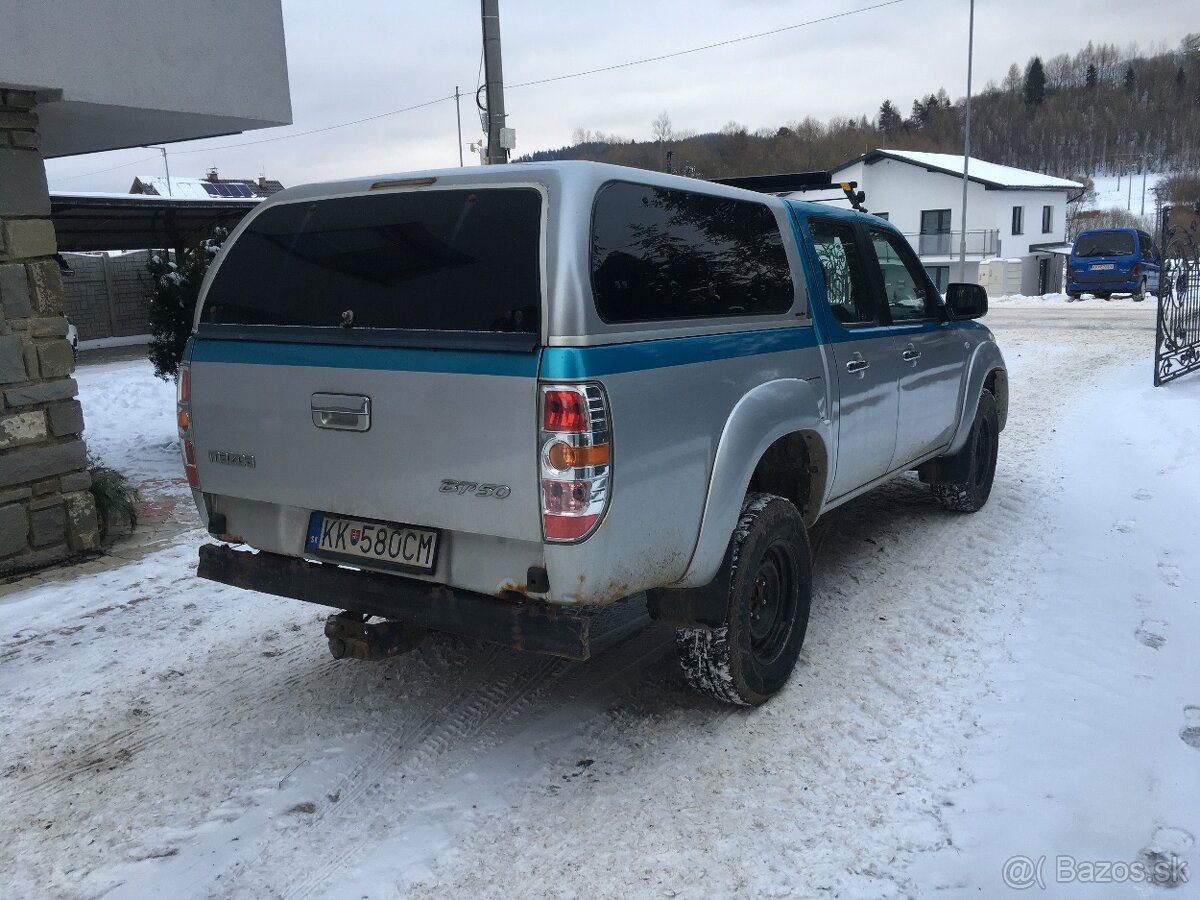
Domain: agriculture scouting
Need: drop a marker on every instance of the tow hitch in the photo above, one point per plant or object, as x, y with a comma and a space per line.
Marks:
350, 634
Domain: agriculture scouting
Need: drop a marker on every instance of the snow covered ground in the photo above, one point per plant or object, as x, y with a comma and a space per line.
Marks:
1022, 683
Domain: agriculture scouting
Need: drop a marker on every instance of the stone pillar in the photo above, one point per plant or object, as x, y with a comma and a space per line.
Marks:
46, 511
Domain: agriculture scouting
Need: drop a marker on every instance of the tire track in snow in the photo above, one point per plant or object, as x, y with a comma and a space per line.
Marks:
514, 715
489, 701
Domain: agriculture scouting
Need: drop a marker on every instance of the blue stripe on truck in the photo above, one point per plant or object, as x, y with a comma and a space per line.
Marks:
341, 356
569, 363
558, 363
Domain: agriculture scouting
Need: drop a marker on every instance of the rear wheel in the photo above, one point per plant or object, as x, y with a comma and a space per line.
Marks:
1140, 294
750, 657
982, 449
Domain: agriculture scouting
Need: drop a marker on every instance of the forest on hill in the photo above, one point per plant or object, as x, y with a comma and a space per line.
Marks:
1101, 111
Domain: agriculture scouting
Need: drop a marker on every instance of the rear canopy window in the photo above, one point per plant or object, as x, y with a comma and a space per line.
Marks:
453, 260
660, 254
1105, 243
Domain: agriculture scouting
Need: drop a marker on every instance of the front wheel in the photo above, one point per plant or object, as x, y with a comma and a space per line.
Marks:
750, 657
982, 449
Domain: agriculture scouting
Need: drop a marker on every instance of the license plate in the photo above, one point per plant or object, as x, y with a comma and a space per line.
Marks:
384, 544
1103, 267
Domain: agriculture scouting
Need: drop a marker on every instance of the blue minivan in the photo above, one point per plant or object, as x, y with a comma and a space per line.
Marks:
1113, 261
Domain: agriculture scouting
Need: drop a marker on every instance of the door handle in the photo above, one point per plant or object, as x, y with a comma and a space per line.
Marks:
910, 355
341, 412
857, 365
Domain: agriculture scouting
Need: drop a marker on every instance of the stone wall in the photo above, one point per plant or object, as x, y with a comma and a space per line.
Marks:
108, 296
46, 511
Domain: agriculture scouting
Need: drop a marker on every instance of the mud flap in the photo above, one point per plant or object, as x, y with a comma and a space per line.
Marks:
702, 607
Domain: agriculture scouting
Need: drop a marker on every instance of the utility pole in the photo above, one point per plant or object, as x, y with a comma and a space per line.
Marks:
497, 135
1143, 185
458, 115
962, 242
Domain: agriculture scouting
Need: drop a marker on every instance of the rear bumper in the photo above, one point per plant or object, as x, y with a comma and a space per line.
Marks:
534, 626
1114, 285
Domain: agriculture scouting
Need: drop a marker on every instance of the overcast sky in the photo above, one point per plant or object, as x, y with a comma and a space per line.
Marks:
357, 58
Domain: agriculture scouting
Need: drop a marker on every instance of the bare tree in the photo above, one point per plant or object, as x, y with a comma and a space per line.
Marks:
661, 127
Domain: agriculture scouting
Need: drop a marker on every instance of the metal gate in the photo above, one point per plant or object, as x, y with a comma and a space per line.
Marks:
1177, 342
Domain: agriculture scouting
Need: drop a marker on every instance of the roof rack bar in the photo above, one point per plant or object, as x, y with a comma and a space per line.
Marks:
778, 184
798, 182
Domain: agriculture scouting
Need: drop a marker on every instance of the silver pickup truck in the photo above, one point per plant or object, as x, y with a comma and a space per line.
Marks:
492, 401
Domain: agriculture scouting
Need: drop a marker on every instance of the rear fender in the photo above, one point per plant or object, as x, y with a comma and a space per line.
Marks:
760, 418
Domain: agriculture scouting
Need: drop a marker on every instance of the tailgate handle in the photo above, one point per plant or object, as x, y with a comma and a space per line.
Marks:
341, 412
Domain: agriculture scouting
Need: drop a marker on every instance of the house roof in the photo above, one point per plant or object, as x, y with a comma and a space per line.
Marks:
992, 175
206, 188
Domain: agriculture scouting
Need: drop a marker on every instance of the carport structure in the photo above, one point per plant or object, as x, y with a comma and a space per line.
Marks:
86, 222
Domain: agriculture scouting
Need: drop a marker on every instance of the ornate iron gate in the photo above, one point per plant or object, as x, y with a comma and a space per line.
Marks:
1177, 342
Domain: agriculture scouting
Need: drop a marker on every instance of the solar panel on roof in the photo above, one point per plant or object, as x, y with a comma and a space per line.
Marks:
211, 189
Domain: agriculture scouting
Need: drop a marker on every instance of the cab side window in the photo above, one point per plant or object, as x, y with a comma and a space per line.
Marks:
850, 296
907, 291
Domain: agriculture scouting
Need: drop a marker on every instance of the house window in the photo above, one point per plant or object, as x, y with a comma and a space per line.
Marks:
1018, 223
935, 232
940, 276
1047, 219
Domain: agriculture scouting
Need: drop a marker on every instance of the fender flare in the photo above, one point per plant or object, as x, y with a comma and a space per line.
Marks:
761, 417
985, 359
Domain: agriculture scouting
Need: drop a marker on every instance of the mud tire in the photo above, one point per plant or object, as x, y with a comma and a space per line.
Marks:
983, 448
751, 656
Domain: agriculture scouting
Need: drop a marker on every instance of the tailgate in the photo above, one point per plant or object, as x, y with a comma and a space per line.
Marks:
432, 417
374, 354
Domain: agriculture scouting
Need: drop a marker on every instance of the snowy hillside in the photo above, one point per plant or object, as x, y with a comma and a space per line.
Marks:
1126, 192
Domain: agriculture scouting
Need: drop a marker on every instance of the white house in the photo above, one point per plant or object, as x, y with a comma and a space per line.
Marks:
1011, 213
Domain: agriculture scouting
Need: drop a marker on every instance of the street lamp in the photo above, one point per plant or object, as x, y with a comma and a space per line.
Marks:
163, 151
962, 243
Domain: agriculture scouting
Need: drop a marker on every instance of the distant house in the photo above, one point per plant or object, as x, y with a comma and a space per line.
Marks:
1011, 213
211, 186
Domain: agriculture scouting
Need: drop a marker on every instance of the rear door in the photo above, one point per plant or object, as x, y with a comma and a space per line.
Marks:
930, 352
1149, 262
376, 356
864, 356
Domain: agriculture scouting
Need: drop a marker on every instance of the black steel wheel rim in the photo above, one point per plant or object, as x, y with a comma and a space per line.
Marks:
773, 603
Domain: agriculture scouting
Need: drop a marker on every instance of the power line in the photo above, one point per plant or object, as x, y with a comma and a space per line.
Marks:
677, 53
625, 65
136, 162
284, 137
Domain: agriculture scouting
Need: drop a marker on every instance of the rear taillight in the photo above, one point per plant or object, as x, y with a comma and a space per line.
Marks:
183, 418
564, 410
1134, 270
1070, 274
575, 460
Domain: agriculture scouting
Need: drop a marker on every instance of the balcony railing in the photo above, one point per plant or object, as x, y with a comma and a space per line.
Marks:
979, 243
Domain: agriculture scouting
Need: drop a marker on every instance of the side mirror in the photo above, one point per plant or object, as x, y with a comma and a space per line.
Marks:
966, 301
